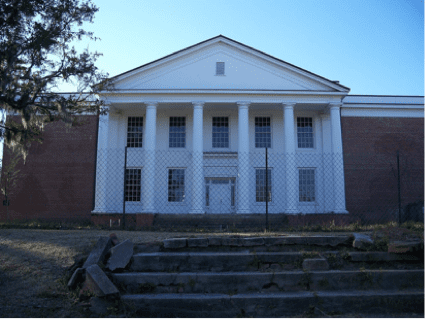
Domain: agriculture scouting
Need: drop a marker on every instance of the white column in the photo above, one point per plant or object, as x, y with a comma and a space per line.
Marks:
291, 165
198, 198
243, 158
102, 164
148, 174
338, 163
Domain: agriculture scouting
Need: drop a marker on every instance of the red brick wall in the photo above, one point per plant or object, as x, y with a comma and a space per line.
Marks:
370, 146
57, 180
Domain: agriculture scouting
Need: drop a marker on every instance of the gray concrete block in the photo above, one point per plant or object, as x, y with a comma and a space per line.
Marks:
232, 241
253, 241
99, 283
175, 243
197, 242
99, 251
315, 264
215, 241
362, 241
401, 246
120, 255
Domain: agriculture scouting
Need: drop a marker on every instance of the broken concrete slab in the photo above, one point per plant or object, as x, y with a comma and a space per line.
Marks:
99, 284
400, 247
232, 241
99, 251
120, 255
315, 264
197, 242
362, 241
153, 247
76, 277
175, 243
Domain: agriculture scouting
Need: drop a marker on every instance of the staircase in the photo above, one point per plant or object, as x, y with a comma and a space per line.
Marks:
290, 276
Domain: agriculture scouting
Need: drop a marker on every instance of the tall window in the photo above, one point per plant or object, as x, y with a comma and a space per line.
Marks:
305, 132
135, 131
307, 185
176, 185
219, 68
220, 132
177, 135
133, 178
260, 185
263, 133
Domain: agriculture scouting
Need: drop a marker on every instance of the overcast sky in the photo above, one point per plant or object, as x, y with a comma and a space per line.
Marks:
373, 47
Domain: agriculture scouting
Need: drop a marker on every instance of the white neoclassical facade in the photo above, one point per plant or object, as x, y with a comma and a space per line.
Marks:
196, 124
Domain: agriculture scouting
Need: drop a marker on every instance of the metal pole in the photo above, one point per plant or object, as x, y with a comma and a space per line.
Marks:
399, 189
125, 182
267, 194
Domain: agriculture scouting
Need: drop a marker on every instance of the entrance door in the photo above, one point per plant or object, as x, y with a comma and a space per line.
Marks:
220, 196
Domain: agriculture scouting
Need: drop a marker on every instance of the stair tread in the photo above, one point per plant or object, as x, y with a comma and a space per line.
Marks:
290, 294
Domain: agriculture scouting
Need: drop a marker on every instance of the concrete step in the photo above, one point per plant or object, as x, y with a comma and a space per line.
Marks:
210, 261
281, 304
246, 260
245, 282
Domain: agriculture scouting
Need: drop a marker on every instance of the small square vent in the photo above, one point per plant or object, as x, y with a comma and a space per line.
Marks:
219, 68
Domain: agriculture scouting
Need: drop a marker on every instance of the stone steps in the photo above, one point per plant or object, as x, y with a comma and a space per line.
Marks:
269, 277
281, 304
248, 282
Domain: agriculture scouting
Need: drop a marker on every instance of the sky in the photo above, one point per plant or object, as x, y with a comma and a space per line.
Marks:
373, 47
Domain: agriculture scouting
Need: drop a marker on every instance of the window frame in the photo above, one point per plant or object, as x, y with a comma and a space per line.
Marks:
126, 185
212, 133
183, 201
271, 202
271, 131
185, 132
142, 132
314, 186
314, 137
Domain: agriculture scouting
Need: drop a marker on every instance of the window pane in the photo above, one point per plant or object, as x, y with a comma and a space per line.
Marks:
263, 137
260, 185
305, 132
135, 131
306, 185
220, 133
177, 134
133, 184
176, 185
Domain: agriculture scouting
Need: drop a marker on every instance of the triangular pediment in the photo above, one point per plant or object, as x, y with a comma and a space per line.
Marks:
245, 69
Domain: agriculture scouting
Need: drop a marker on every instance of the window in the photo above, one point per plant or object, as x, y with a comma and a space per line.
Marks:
305, 132
260, 184
176, 185
307, 185
177, 135
133, 178
135, 131
220, 132
219, 68
263, 134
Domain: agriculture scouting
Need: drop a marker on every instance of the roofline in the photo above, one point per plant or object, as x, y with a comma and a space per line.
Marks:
247, 46
385, 95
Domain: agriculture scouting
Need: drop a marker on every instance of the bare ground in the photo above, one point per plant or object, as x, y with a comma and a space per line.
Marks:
34, 264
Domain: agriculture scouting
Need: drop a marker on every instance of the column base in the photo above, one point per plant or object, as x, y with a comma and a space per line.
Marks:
243, 211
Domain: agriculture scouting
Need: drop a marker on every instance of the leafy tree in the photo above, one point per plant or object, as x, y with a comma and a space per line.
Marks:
37, 55
10, 176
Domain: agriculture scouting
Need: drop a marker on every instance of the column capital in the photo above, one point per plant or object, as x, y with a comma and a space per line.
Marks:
243, 104
333, 105
151, 104
288, 105
198, 104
